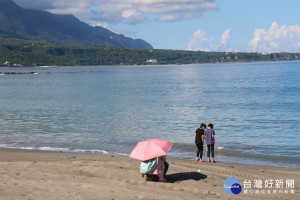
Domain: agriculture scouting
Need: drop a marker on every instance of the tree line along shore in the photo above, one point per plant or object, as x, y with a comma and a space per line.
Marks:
29, 53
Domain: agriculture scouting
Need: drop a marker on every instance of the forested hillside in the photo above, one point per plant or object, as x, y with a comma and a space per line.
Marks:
15, 52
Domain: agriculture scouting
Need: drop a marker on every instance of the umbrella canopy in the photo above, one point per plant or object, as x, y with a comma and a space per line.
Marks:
148, 149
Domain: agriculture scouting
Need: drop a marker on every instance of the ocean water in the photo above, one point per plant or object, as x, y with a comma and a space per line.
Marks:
255, 109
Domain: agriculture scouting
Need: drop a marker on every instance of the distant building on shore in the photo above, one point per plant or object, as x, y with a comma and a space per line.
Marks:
151, 61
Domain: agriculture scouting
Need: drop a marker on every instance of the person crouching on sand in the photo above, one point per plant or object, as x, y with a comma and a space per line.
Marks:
210, 142
155, 169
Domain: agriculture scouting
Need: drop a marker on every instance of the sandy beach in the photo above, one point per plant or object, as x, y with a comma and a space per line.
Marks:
28, 175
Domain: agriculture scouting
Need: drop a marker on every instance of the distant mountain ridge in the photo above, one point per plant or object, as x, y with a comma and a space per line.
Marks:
16, 22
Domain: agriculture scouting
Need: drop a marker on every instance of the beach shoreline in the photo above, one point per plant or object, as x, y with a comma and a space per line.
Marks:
50, 175
220, 157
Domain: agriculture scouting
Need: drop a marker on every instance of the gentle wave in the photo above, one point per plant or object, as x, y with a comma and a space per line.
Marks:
63, 150
221, 154
192, 147
234, 153
226, 154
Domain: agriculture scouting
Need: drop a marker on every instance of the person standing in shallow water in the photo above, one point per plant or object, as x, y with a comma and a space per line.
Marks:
210, 142
199, 141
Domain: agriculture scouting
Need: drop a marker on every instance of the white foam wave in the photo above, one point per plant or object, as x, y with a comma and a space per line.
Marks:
58, 149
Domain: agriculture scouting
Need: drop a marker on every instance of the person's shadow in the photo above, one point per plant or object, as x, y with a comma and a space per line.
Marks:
183, 176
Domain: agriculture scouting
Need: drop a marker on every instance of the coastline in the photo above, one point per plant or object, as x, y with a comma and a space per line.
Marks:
50, 54
146, 65
50, 175
181, 152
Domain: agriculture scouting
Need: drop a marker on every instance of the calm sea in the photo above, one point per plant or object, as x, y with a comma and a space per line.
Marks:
255, 109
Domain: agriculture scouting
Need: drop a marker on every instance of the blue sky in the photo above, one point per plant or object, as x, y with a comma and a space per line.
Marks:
209, 25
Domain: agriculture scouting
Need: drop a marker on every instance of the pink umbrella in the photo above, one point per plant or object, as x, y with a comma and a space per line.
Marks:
148, 149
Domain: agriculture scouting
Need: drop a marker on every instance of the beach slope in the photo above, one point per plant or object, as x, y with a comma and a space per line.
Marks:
39, 175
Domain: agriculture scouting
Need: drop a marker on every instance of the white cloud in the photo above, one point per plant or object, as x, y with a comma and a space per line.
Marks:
134, 11
105, 25
131, 16
278, 38
125, 11
225, 37
199, 42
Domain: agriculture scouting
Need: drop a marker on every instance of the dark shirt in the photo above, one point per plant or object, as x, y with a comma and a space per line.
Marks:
199, 132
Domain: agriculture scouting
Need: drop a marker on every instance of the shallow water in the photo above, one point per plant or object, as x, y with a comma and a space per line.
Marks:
255, 108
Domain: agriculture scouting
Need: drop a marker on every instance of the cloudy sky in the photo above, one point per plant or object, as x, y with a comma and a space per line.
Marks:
209, 25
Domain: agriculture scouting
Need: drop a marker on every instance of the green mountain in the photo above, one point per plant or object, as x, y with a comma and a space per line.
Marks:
16, 22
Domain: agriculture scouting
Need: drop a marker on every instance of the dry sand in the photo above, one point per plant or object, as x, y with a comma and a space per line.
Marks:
41, 176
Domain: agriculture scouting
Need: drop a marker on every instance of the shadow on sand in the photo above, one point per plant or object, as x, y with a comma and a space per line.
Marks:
184, 176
